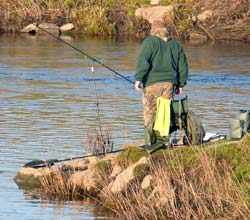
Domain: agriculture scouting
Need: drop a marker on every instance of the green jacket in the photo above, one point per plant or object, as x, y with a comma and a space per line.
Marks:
161, 61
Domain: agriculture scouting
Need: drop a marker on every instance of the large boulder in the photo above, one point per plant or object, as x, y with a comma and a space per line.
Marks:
133, 172
87, 181
147, 182
31, 28
67, 27
156, 13
197, 38
50, 27
155, 2
117, 169
29, 178
205, 15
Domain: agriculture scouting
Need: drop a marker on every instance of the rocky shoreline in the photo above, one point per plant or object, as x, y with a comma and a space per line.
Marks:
135, 185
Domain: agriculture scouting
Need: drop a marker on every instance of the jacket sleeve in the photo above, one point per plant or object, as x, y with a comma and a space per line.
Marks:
183, 68
143, 63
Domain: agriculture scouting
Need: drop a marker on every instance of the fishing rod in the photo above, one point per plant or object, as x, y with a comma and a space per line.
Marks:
85, 54
48, 163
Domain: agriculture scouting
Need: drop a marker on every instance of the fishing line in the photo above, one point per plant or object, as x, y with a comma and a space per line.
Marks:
102, 138
85, 54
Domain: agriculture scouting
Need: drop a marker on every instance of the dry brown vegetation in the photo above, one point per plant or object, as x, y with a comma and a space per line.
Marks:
187, 183
207, 191
229, 20
90, 17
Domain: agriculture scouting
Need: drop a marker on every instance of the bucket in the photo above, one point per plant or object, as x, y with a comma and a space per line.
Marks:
236, 131
244, 117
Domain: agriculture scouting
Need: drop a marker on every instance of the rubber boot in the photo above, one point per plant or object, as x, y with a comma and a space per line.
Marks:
161, 142
149, 138
153, 141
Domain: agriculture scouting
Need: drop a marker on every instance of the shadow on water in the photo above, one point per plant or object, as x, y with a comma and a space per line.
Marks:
48, 103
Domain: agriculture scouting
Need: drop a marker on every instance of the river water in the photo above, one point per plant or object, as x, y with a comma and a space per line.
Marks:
48, 106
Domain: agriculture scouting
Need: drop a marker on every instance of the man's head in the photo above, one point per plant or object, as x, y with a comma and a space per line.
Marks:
143, 29
163, 31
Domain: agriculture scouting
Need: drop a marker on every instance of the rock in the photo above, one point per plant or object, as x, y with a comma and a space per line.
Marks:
155, 2
29, 178
31, 28
162, 196
67, 27
74, 167
123, 180
91, 161
156, 13
206, 15
79, 165
147, 182
88, 181
197, 38
50, 27
116, 171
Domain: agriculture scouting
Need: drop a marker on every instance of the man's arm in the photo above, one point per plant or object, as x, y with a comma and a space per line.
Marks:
183, 68
143, 63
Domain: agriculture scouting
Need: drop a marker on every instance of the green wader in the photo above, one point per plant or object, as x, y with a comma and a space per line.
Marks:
153, 140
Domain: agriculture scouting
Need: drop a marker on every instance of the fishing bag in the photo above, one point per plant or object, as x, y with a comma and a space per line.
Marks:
194, 132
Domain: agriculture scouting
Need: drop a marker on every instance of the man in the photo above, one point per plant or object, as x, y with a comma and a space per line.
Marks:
162, 68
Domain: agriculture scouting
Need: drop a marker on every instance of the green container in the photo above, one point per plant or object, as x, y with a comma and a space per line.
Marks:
181, 103
236, 131
244, 117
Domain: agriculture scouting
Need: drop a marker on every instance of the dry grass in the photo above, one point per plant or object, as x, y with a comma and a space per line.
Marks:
15, 14
207, 191
99, 141
56, 185
89, 17
190, 183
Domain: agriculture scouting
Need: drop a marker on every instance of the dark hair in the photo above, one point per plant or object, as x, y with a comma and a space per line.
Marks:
143, 28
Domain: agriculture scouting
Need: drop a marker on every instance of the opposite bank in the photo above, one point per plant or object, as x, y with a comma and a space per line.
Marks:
196, 21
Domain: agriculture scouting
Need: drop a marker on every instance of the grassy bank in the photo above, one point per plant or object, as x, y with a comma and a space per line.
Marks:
207, 182
217, 20
90, 17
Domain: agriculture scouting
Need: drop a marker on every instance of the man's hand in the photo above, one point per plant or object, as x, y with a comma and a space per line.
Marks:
138, 86
178, 90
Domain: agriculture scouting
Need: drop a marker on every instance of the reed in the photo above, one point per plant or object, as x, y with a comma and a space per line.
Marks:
90, 17
56, 185
187, 183
207, 191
